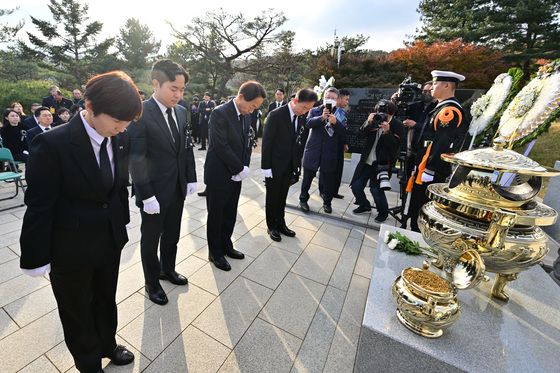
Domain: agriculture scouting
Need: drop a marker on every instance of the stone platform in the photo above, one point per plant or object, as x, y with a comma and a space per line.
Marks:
522, 335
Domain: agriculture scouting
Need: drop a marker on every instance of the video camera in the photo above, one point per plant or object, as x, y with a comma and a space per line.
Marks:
408, 99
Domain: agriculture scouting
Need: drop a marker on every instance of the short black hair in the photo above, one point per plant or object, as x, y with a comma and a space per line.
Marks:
251, 90
37, 112
343, 92
207, 94
167, 71
306, 95
115, 94
62, 110
281, 90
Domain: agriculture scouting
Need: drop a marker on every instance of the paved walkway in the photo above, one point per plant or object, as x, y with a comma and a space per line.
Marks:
294, 305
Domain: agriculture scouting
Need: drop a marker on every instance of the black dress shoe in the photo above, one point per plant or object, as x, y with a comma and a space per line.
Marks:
234, 254
287, 231
156, 295
327, 208
202, 194
220, 263
275, 235
338, 196
174, 278
304, 206
120, 356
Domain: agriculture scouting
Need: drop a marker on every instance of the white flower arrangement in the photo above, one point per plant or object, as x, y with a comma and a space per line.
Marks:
486, 107
323, 85
532, 105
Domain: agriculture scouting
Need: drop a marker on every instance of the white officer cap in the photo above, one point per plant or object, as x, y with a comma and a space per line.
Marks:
447, 76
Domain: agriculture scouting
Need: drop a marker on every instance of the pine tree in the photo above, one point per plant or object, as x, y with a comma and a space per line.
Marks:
136, 44
524, 30
7, 31
69, 43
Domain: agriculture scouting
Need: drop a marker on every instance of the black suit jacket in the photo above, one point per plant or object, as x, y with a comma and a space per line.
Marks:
68, 215
229, 149
204, 115
272, 106
279, 150
29, 123
156, 166
30, 135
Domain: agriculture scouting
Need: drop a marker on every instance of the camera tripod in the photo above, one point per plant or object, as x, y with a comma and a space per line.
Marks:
397, 211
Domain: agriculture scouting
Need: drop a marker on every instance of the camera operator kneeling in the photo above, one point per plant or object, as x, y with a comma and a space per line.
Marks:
383, 135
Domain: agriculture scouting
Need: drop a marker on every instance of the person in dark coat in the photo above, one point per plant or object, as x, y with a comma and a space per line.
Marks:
13, 135
280, 161
204, 110
226, 165
163, 174
55, 102
321, 150
74, 227
45, 124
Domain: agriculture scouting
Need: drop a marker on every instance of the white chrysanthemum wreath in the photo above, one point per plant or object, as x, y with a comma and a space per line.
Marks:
533, 104
487, 105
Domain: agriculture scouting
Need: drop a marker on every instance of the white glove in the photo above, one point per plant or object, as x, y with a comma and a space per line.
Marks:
242, 175
427, 177
151, 205
38, 272
191, 188
267, 173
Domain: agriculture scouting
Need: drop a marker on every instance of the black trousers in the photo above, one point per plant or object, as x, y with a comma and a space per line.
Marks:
419, 199
203, 133
161, 230
86, 304
221, 204
337, 174
328, 185
276, 193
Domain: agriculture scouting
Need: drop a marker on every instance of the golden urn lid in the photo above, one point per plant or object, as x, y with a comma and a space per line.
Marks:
499, 159
469, 270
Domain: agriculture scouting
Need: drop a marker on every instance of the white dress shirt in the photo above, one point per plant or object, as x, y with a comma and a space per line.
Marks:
96, 140
163, 109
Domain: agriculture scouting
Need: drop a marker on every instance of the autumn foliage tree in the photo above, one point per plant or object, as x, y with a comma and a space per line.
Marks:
479, 64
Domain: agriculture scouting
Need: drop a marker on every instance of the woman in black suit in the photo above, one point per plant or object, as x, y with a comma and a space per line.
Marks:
13, 135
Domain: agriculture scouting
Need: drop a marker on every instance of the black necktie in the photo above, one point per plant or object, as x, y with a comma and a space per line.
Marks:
277, 105
105, 167
173, 126
47, 128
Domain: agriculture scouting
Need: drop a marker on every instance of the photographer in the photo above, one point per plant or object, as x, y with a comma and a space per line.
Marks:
383, 134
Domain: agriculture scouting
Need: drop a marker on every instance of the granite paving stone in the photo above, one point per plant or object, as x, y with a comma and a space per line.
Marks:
331, 237
364, 265
295, 244
215, 280
293, 304
316, 263
41, 365
35, 339
6, 254
264, 348
32, 306
9, 270
270, 268
193, 352
155, 329
7, 325
345, 267
19, 287
315, 348
229, 316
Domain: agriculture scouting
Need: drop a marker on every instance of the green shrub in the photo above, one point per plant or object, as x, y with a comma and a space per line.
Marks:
26, 92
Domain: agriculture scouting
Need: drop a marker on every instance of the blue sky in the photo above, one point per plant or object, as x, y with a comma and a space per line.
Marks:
387, 23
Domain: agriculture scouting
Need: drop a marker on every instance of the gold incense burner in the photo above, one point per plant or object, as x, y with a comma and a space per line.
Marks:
427, 303
489, 206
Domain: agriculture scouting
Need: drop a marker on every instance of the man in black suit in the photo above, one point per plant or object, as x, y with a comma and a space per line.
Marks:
55, 102
31, 121
227, 163
204, 110
45, 120
163, 174
280, 159
278, 101
77, 211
